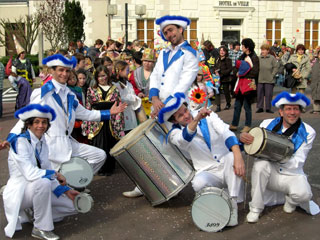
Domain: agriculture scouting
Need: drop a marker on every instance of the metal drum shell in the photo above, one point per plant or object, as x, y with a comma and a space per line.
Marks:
269, 145
211, 209
158, 168
83, 202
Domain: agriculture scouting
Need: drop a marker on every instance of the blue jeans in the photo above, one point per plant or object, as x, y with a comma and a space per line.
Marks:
246, 101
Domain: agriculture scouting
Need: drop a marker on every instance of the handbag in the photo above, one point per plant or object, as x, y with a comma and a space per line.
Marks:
297, 74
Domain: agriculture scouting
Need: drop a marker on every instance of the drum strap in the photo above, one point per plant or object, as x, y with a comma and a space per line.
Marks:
294, 128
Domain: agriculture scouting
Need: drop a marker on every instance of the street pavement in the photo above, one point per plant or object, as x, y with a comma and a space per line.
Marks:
116, 217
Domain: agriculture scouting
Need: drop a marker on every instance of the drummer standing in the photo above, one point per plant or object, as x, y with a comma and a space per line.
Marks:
32, 183
283, 182
56, 94
213, 148
177, 65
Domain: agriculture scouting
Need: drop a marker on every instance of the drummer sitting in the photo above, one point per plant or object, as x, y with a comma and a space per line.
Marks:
33, 187
283, 182
213, 148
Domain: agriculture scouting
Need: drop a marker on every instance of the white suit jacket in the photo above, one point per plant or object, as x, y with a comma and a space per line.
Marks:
177, 75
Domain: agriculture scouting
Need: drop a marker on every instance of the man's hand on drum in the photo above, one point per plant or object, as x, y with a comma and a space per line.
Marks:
4, 144
246, 138
157, 105
71, 194
62, 180
115, 109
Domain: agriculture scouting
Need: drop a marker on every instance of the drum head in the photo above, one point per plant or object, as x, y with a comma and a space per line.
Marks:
83, 202
133, 135
77, 172
255, 146
210, 212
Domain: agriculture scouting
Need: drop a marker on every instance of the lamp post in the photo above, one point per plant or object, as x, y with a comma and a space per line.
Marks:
126, 22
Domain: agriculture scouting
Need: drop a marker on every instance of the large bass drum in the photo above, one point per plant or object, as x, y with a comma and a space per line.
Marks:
269, 145
211, 209
158, 168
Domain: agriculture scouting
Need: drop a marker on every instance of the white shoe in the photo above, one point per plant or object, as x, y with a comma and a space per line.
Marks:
133, 194
234, 213
253, 217
288, 207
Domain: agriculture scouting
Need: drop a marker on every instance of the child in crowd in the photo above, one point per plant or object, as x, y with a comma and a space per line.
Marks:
127, 94
45, 74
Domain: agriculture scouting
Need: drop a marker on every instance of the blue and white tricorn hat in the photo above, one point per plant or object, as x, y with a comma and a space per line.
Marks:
172, 104
172, 19
60, 60
35, 110
291, 99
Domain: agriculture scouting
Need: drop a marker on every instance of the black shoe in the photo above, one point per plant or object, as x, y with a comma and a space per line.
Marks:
218, 109
228, 106
269, 111
260, 110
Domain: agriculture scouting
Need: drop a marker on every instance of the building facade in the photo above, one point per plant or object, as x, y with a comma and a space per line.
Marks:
216, 20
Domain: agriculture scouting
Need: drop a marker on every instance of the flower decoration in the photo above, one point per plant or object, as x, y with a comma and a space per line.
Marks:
198, 95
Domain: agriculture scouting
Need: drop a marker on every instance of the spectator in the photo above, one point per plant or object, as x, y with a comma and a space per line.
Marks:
246, 98
72, 48
275, 48
267, 72
81, 48
234, 55
140, 79
81, 61
210, 53
94, 51
301, 60
2, 76
111, 50
315, 85
136, 45
23, 67
129, 49
223, 68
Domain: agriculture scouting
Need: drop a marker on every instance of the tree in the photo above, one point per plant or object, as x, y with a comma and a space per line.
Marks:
73, 20
53, 25
25, 27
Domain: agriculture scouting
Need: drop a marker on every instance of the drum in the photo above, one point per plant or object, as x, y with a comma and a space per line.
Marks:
158, 168
269, 145
146, 105
77, 172
211, 209
83, 202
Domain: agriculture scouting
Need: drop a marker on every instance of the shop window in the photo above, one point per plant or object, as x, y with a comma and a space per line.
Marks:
273, 31
145, 31
311, 34
190, 33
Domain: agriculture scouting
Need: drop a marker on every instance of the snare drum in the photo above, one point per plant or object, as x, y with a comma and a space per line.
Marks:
83, 202
77, 172
158, 168
211, 209
269, 145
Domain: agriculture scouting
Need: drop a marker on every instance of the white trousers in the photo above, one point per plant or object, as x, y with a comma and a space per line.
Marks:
223, 177
266, 178
46, 206
95, 156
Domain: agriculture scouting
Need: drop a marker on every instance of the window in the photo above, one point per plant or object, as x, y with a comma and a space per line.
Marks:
145, 31
311, 34
273, 31
190, 33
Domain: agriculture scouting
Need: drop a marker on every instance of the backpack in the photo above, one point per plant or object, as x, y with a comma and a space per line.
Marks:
8, 67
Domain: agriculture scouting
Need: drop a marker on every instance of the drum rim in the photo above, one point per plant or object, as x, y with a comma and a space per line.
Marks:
135, 140
86, 196
260, 149
223, 194
86, 162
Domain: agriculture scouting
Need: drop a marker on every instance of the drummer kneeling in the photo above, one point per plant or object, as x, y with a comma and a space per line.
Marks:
208, 141
34, 192
283, 182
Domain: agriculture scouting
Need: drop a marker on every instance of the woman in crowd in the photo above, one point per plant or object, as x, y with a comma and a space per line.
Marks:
267, 72
104, 134
246, 97
140, 77
302, 72
23, 67
315, 85
223, 68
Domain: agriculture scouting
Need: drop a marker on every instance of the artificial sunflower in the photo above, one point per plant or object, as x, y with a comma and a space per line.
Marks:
198, 96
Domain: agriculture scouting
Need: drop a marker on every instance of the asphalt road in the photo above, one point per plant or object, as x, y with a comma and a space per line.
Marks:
116, 217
